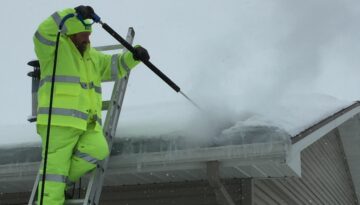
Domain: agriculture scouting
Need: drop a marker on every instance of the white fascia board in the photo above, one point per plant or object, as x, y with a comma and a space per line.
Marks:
228, 156
294, 162
251, 160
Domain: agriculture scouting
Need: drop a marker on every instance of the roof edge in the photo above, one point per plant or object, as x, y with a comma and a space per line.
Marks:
323, 122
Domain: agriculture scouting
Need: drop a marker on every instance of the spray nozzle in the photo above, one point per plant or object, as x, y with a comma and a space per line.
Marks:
95, 17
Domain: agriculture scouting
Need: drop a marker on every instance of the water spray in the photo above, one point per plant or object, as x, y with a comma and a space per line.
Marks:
192, 102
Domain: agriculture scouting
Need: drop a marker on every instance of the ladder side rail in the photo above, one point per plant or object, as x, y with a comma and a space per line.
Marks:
112, 131
120, 85
35, 82
34, 190
110, 125
89, 187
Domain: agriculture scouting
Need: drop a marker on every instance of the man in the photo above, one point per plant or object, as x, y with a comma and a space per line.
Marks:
76, 141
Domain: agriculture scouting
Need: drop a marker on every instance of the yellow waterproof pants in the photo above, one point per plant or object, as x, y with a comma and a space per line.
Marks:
71, 154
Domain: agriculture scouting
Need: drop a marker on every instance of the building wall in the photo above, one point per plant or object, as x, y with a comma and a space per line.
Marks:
350, 136
184, 193
325, 178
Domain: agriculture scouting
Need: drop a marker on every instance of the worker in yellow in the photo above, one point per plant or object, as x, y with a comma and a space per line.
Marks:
76, 142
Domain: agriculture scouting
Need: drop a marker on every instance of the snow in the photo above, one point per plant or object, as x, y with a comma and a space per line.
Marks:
287, 116
298, 112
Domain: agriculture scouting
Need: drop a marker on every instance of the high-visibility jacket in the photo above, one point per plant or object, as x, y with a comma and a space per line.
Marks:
77, 93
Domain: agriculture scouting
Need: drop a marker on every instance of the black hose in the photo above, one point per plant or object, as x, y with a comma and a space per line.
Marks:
51, 104
49, 118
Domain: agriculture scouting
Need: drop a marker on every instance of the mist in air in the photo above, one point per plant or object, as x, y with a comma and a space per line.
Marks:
285, 63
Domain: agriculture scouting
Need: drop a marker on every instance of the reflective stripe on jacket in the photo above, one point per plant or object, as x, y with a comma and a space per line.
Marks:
77, 92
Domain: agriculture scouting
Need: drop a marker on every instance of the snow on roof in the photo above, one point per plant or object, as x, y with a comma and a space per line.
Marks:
174, 126
291, 115
148, 150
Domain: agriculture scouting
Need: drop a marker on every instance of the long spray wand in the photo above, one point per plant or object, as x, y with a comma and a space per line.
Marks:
86, 12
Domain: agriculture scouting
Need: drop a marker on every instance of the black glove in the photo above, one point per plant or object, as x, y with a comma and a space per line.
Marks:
86, 12
140, 53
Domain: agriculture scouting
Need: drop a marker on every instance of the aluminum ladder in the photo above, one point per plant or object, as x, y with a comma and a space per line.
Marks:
113, 107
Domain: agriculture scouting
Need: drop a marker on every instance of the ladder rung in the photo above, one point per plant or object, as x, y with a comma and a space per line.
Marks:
70, 202
109, 47
74, 201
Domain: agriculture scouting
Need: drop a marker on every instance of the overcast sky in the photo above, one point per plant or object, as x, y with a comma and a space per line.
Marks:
236, 54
